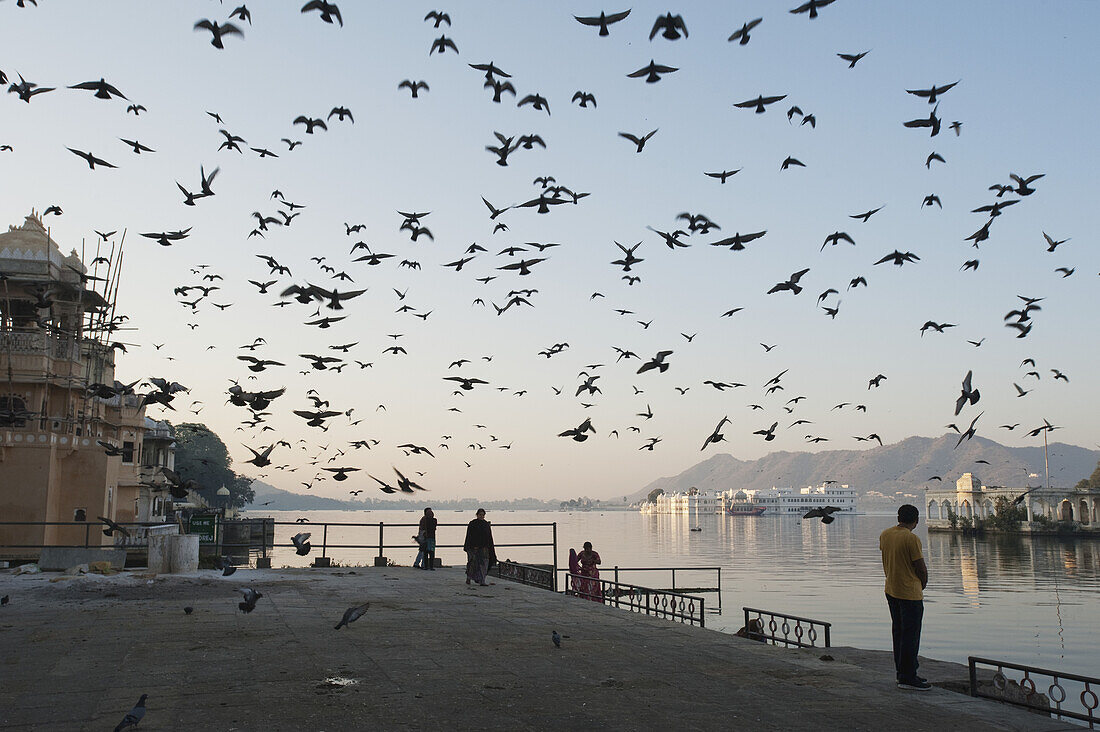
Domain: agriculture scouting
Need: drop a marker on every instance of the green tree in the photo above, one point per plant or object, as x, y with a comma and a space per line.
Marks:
1006, 517
1092, 483
652, 497
201, 456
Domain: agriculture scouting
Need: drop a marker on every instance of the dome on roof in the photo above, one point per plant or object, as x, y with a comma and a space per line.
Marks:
740, 496
32, 242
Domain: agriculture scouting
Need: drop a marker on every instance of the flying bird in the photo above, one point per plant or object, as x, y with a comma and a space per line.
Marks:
602, 20
327, 10
671, 25
92, 160
825, 513
639, 141
759, 103
217, 31
742, 34
811, 6
102, 89
931, 94
352, 614
652, 72
852, 58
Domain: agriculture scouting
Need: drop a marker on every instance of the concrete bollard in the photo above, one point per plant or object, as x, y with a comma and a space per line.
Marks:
174, 554
160, 554
185, 555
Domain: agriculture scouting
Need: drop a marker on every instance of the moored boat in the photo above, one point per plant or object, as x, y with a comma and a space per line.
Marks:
739, 508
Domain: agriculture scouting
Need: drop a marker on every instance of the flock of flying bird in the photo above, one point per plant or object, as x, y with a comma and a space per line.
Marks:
330, 304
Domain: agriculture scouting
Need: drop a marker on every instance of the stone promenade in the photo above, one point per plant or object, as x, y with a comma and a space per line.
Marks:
430, 654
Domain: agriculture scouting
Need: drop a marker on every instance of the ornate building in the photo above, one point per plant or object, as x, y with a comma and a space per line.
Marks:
56, 319
970, 499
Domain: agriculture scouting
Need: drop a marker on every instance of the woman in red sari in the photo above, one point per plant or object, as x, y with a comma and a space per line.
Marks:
590, 588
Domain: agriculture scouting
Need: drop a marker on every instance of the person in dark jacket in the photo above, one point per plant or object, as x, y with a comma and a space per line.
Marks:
480, 552
426, 539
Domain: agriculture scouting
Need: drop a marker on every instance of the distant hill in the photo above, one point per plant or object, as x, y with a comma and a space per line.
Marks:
903, 466
277, 499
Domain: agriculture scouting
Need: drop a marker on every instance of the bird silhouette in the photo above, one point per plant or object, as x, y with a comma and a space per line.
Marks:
602, 21
352, 614
134, 716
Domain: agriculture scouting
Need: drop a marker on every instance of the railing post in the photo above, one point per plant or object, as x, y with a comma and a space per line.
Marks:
554, 564
87, 531
719, 590
828, 642
616, 574
702, 614
673, 579
324, 542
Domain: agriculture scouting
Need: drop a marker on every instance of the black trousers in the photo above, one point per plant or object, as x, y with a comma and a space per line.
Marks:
906, 617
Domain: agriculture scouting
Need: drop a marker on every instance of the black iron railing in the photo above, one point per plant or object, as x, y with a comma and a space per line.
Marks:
89, 532
796, 631
1024, 692
646, 600
690, 585
321, 539
526, 574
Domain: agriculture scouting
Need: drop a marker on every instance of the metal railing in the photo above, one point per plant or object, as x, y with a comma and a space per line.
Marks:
86, 528
802, 630
320, 539
717, 588
646, 600
327, 545
1025, 693
526, 574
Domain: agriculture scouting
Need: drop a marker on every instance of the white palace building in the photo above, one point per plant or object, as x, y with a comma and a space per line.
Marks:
775, 501
970, 499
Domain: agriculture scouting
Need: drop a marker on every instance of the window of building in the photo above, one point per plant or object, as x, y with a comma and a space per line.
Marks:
128, 451
80, 514
13, 411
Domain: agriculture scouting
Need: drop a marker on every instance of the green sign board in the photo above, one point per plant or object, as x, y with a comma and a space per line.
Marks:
204, 526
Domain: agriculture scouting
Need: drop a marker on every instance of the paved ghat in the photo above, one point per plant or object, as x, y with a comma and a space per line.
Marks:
430, 653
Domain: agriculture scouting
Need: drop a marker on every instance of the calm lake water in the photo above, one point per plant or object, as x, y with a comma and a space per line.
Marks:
1017, 599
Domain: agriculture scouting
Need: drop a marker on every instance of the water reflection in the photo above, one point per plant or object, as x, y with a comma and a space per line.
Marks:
1021, 599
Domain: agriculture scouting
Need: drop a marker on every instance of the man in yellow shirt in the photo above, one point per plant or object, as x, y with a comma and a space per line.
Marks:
906, 578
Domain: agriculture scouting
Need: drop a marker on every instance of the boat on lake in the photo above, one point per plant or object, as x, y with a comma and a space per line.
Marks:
744, 508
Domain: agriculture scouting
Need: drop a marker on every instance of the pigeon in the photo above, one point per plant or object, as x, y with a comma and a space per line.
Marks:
301, 543
825, 513
4, 600
556, 637
968, 394
352, 614
188, 610
134, 716
251, 596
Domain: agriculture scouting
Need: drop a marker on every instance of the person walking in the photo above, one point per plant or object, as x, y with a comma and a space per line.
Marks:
906, 577
428, 522
480, 552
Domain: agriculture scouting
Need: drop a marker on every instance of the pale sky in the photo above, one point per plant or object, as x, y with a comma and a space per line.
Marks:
1025, 74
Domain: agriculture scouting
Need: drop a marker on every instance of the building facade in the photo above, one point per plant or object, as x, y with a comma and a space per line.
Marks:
777, 501
971, 500
55, 331
786, 501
